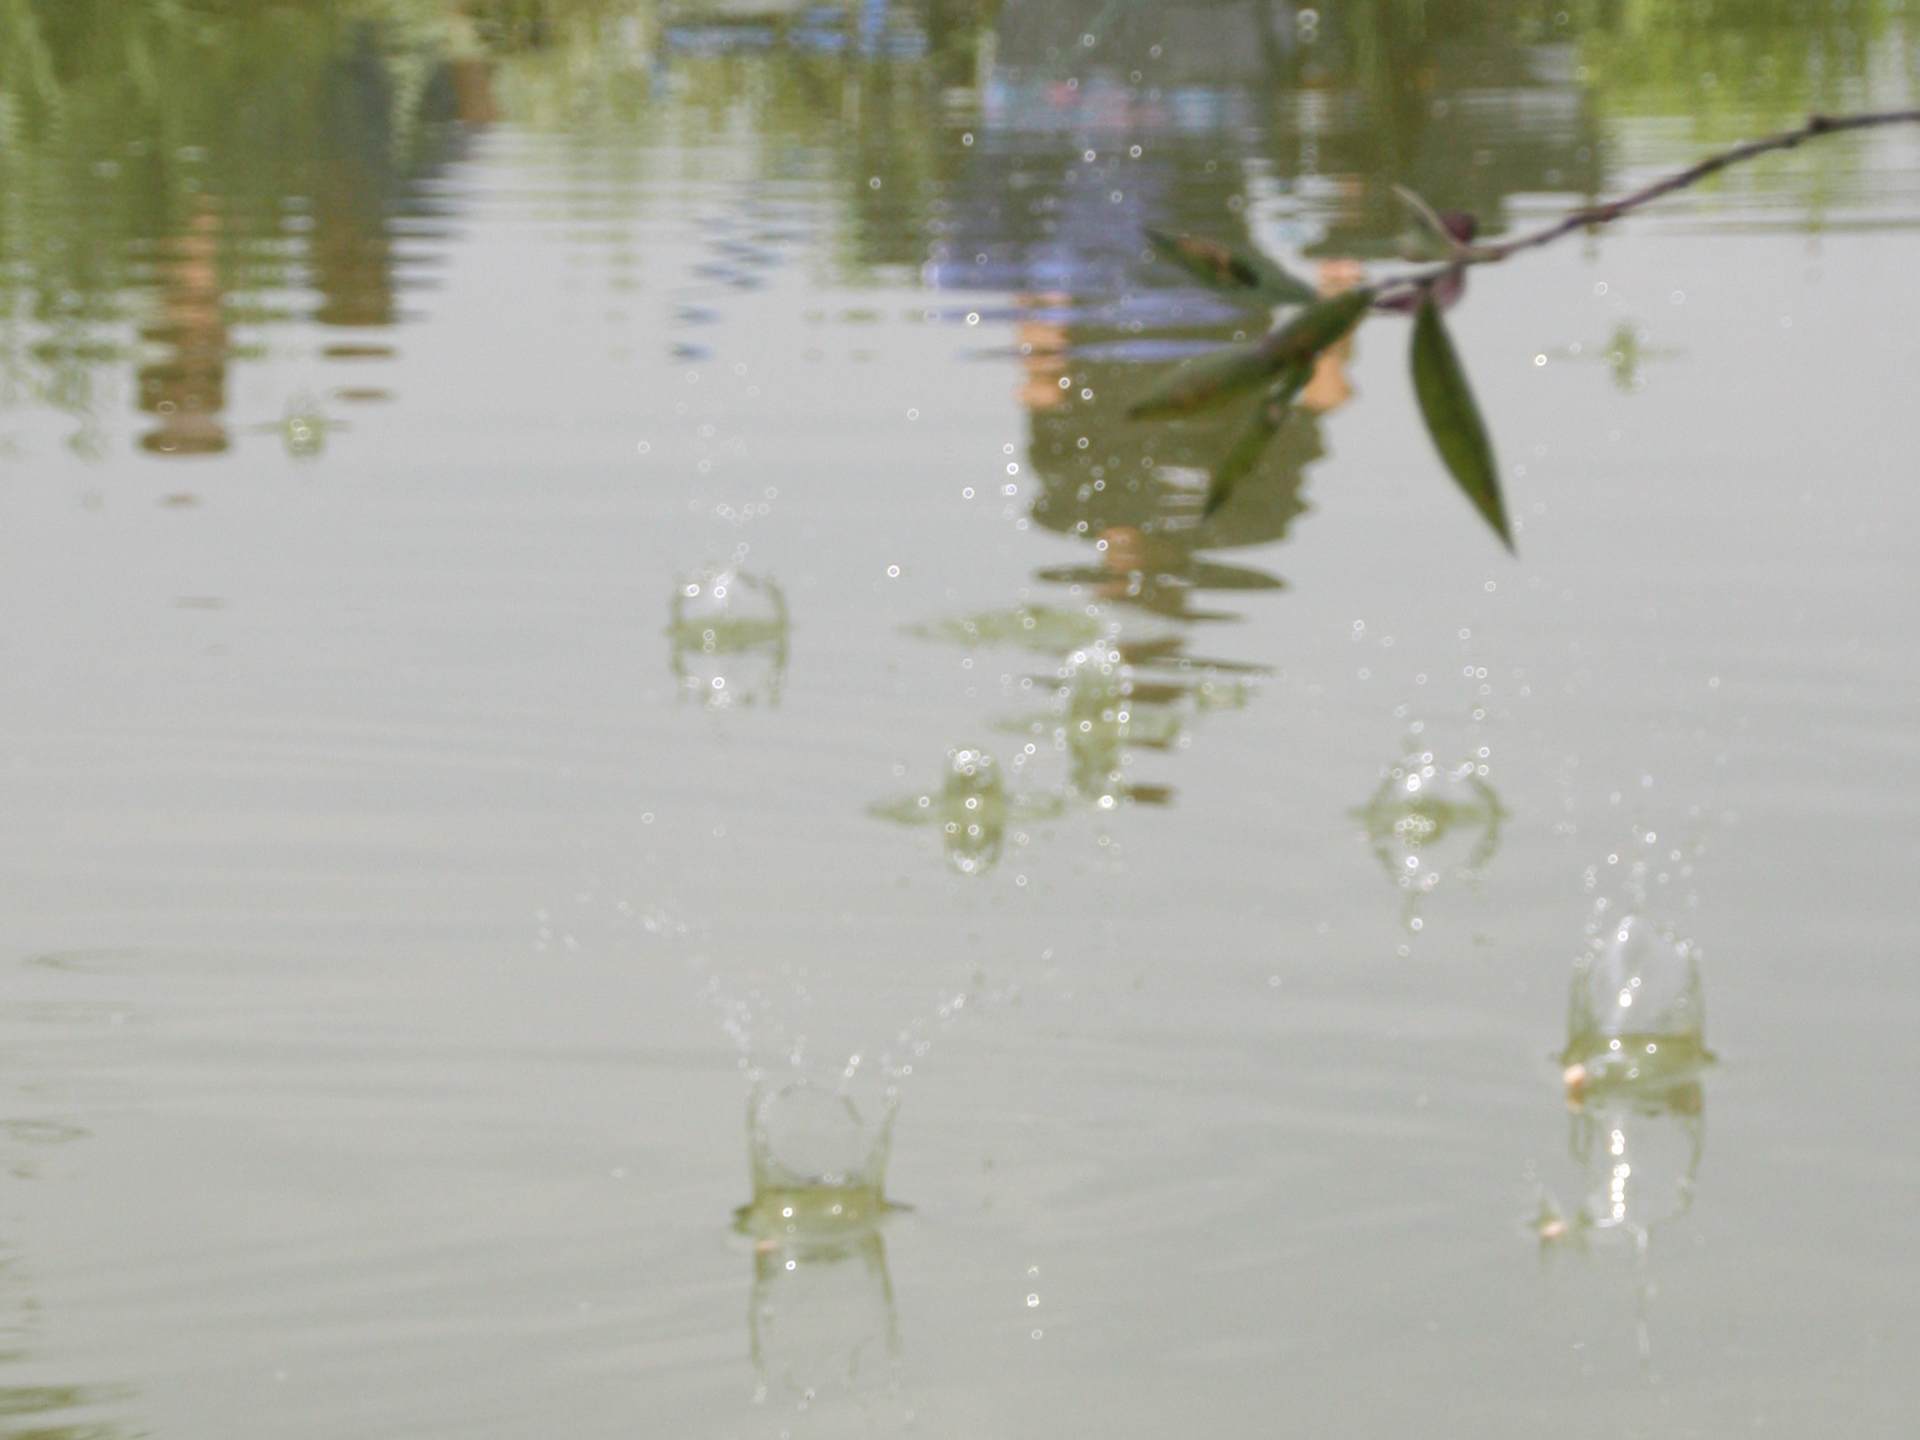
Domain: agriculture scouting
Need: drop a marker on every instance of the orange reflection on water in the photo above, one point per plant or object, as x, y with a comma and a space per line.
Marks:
186, 389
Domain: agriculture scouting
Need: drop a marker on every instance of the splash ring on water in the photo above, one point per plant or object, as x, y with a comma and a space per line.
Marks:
817, 1162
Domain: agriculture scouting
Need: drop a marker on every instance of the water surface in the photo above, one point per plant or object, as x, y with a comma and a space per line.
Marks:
409, 851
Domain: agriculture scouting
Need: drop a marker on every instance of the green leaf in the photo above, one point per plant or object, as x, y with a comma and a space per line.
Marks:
1315, 328
1202, 382
1212, 378
1454, 420
1267, 418
1214, 264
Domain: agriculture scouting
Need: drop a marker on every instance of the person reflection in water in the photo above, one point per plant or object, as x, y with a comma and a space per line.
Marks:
185, 389
1135, 489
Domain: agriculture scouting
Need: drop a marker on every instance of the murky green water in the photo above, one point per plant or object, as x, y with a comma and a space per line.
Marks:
565, 567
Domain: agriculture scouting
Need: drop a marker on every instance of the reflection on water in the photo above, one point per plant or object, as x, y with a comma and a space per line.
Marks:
144, 204
186, 388
1634, 1067
33, 1412
1429, 820
727, 638
821, 1324
971, 810
28, 1137
1045, 628
1096, 329
1625, 353
190, 191
1640, 1147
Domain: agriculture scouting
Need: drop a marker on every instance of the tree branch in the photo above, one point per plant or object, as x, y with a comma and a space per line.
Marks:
1611, 210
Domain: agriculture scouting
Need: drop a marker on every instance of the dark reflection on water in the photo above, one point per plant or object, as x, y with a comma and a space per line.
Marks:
173, 170
184, 172
31, 1412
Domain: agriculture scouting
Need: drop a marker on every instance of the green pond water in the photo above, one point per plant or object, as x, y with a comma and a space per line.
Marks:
582, 623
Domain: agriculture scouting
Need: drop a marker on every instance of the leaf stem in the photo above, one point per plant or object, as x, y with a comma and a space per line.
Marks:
1608, 211
1427, 217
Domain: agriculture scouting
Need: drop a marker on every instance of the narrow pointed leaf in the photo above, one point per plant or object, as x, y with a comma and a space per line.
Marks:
1212, 378
1453, 420
1315, 328
1205, 381
1268, 416
1214, 264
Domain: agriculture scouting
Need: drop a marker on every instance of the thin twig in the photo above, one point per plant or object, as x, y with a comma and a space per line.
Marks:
1428, 217
1611, 210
